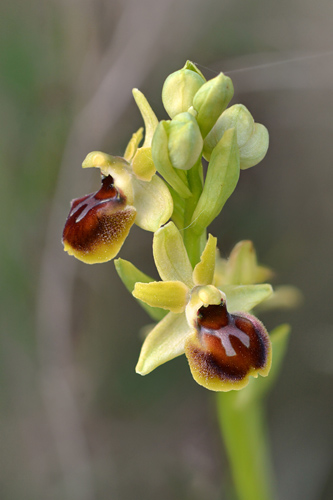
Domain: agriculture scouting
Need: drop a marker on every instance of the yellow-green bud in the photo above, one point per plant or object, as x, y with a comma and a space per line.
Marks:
161, 158
211, 100
184, 141
179, 89
255, 149
252, 138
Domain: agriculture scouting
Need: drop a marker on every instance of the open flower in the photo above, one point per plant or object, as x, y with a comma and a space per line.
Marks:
98, 223
131, 192
223, 343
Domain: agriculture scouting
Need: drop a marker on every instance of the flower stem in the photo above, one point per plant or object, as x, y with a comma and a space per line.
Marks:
244, 433
194, 243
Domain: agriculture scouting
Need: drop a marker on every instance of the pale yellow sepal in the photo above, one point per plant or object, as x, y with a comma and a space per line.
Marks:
143, 165
170, 255
148, 115
246, 297
133, 144
129, 275
171, 295
165, 342
153, 202
203, 273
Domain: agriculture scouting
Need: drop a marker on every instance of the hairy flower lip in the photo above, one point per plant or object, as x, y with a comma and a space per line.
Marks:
216, 321
98, 224
226, 349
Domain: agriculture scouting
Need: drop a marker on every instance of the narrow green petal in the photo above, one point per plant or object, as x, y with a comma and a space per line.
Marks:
165, 342
203, 273
153, 203
246, 297
133, 144
170, 255
148, 116
129, 275
170, 295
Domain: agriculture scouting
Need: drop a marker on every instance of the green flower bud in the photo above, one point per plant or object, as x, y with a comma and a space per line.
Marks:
179, 89
184, 141
255, 149
211, 100
252, 138
160, 154
177, 143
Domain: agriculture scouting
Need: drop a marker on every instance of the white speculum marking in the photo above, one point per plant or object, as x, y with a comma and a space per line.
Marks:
89, 205
224, 334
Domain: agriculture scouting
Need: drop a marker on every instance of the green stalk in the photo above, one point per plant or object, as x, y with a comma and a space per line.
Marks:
194, 244
243, 429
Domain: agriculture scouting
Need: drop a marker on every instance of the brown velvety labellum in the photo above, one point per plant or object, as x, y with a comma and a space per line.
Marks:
98, 222
232, 344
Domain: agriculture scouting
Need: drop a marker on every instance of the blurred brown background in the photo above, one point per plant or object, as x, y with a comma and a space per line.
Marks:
76, 422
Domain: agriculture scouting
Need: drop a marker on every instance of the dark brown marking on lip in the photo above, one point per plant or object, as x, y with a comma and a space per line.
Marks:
98, 218
232, 344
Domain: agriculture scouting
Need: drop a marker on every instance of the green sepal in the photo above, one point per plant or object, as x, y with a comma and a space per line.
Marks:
129, 275
170, 255
171, 295
148, 116
165, 342
153, 203
203, 273
221, 180
160, 153
211, 100
246, 297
